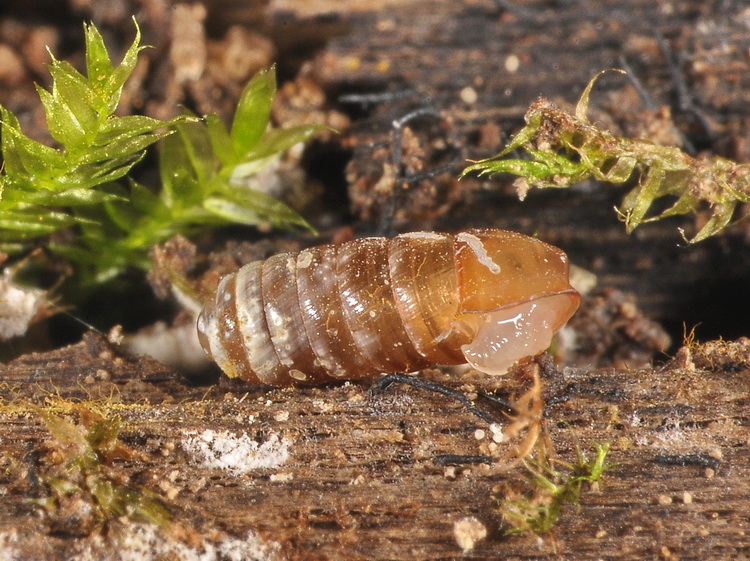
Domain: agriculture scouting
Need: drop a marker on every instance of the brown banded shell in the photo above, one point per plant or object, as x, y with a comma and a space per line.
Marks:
349, 311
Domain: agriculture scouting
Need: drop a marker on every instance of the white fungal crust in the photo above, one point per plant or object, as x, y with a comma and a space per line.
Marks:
18, 307
488, 297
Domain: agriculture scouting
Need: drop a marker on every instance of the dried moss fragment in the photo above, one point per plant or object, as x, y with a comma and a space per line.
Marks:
86, 491
566, 149
550, 488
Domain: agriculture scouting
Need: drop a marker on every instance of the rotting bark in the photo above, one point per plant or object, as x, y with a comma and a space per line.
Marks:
363, 479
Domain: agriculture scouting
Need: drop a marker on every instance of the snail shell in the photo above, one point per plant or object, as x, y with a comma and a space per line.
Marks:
373, 305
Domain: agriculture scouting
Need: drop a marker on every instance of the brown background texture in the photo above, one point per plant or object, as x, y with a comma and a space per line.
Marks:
366, 474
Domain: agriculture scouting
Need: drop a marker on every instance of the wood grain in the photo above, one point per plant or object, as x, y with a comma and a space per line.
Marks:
364, 478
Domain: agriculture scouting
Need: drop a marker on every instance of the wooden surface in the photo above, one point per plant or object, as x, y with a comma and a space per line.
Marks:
363, 477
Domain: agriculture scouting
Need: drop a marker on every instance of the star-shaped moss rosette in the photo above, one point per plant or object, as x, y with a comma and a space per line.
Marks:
82, 186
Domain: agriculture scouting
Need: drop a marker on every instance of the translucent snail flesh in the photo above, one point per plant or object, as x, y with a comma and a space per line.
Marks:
373, 305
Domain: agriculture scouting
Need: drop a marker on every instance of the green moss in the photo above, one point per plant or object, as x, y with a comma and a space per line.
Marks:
81, 464
550, 488
565, 149
82, 187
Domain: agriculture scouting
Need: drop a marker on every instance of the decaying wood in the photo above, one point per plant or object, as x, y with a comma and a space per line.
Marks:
361, 475
364, 476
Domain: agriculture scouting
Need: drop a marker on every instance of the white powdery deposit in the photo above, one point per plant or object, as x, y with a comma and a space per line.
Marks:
237, 454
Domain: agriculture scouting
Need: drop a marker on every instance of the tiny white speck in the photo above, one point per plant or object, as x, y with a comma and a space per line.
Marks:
512, 63
469, 95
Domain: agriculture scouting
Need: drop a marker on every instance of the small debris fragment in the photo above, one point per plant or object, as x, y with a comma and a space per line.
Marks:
166, 450
664, 500
359, 480
468, 531
497, 433
716, 454
281, 477
115, 335
469, 95
188, 50
512, 63
666, 553
19, 307
281, 416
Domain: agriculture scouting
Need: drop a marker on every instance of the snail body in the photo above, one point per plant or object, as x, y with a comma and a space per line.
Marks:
373, 305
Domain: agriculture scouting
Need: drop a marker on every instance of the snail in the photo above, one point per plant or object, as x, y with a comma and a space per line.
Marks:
375, 305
